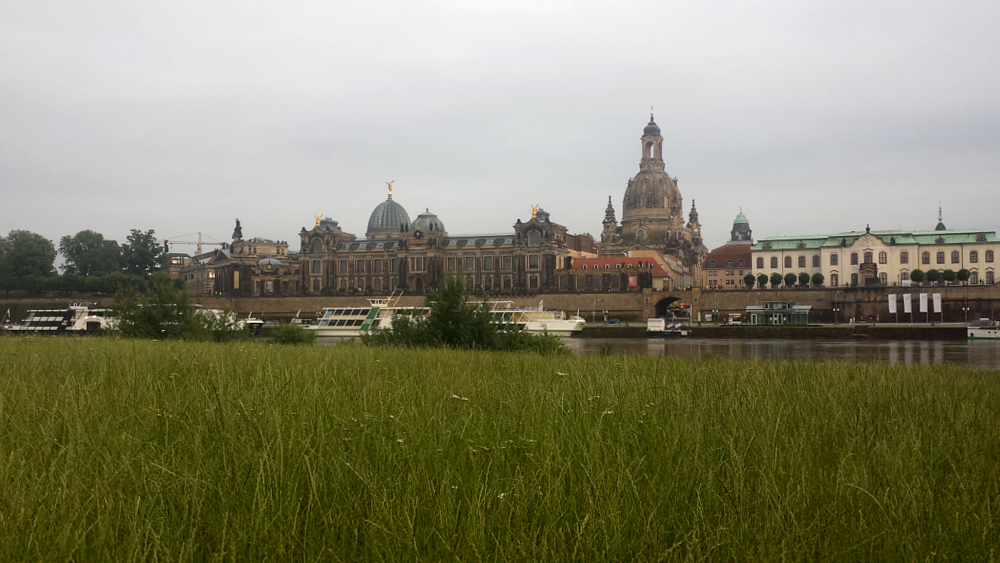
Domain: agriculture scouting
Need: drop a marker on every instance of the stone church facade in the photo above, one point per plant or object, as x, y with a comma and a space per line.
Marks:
653, 212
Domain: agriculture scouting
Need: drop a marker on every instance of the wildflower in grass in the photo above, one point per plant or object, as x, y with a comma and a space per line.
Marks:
560, 373
501, 495
457, 398
400, 440
607, 412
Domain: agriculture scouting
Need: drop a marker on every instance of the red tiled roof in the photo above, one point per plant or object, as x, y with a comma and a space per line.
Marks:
612, 264
729, 252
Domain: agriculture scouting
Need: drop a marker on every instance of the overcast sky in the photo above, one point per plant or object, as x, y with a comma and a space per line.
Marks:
181, 116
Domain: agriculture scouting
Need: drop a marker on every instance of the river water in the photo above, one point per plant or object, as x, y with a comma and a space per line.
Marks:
983, 354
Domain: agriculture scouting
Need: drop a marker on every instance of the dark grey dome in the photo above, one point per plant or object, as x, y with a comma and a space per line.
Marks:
651, 128
268, 261
388, 217
328, 223
542, 215
428, 222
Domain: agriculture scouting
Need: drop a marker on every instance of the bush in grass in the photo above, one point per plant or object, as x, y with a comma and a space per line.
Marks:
455, 322
292, 334
164, 311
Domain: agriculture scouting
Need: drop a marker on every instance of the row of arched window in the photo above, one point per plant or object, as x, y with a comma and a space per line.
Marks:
730, 264
883, 258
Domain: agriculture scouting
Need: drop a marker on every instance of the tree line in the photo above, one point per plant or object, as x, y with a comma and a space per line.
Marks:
91, 263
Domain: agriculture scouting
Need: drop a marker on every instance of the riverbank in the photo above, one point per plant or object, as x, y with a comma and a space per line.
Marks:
884, 331
138, 450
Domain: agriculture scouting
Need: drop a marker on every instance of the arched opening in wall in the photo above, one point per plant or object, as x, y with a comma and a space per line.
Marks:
649, 150
662, 304
418, 285
317, 246
534, 238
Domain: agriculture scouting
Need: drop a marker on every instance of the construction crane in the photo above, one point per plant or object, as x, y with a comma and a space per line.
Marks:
167, 242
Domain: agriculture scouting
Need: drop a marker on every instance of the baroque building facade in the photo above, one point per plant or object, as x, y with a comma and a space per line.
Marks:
417, 256
726, 266
653, 212
255, 267
870, 257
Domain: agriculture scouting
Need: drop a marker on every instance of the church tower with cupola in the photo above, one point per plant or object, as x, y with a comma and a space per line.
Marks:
653, 210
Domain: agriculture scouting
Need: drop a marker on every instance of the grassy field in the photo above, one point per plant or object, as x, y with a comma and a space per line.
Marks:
114, 450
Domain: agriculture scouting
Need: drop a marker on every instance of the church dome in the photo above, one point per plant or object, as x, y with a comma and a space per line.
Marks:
388, 217
741, 219
428, 222
651, 128
652, 193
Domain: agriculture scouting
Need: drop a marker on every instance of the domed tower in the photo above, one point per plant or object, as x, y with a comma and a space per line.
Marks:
653, 204
741, 229
388, 220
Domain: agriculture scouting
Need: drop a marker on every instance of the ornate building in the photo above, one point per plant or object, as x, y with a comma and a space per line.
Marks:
652, 212
725, 267
860, 258
416, 256
253, 267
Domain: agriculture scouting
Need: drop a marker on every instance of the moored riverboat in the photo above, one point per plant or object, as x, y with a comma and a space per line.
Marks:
990, 331
355, 321
79, 317
660, 328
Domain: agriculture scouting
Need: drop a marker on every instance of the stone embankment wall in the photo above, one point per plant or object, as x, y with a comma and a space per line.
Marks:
983, 301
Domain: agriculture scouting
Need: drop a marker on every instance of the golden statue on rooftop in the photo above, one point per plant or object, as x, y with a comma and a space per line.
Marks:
390, 186
534, 211
318, 218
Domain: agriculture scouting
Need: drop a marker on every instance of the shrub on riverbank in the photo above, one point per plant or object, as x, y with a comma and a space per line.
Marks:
119, 450
456, 322
292, 334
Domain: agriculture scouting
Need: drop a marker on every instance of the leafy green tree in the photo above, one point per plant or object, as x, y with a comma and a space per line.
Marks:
963, 275
817, 280
949, 275
749, 280
162, 311
775, 280
88, 254
790, 279
804, 279
917, 276
142, 255
933, 276
762, 281
26, 259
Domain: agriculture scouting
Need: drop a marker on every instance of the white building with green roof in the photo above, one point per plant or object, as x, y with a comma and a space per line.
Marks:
858, 258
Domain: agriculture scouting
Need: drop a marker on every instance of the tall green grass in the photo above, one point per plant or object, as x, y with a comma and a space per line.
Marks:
115, 450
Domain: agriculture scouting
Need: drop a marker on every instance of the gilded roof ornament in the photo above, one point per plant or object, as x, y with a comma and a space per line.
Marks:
318, 218
534, 211
390, 183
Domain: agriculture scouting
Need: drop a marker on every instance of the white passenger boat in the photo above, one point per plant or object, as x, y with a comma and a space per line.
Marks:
537, 319
355, 321
984, 332
79, 317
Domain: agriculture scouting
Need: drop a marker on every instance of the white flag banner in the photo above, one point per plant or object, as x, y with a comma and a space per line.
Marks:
892, 304
907, 303
937, 302
923, 302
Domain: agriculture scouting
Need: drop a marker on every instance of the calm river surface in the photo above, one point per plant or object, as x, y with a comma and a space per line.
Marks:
978, 353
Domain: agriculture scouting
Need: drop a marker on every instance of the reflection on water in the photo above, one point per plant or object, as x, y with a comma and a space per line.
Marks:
978, 353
